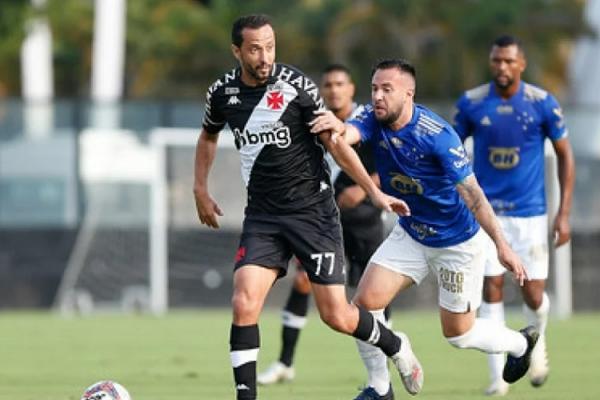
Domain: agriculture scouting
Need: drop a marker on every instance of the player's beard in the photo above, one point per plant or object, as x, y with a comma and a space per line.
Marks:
253, 71
390, 117
503, 84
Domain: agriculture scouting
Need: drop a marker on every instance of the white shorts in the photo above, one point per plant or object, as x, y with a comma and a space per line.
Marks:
528, 237
459, 268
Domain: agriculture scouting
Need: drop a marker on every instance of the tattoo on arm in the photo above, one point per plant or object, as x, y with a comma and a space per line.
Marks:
476, 201
472, 195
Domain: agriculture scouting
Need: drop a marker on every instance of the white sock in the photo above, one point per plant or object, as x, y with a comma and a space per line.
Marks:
494, 312
539, 317
375, 361
491, 336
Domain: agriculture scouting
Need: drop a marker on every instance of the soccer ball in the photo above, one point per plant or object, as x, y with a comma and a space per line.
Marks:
106, 390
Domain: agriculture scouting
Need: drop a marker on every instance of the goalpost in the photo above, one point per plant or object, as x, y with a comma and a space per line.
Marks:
560, 258
171, 205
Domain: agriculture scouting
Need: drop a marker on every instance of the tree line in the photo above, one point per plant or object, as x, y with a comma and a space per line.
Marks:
176, 48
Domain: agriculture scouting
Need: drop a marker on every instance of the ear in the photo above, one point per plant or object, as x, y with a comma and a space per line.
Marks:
523, 64
236, 52
352, 89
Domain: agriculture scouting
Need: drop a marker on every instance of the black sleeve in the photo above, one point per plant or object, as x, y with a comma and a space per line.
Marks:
214, 120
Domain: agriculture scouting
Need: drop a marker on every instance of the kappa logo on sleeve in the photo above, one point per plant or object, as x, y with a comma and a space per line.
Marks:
234, 101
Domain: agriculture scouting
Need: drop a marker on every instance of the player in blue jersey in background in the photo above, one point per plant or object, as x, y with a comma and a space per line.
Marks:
509, 121
420, 159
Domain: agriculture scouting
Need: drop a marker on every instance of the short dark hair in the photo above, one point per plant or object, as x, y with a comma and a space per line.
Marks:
252, 21
398, 63
336, 68
508, 40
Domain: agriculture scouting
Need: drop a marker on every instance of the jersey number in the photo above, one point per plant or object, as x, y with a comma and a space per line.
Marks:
320, 257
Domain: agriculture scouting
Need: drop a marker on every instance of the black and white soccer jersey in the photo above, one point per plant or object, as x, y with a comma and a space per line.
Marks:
282, 162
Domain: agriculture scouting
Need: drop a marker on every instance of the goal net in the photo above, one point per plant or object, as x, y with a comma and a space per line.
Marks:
190, 264
140, 245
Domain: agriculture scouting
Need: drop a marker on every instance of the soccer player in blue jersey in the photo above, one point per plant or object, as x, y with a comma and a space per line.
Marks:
421, 160
509, 121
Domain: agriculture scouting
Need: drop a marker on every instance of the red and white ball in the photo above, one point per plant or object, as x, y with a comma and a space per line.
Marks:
106, 390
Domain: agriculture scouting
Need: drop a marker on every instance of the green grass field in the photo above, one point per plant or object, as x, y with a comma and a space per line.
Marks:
184, 356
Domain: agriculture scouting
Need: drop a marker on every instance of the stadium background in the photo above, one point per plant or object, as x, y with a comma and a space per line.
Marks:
76, 168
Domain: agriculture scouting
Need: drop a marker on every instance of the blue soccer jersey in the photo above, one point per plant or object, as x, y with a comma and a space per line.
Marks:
508, 144
421, 164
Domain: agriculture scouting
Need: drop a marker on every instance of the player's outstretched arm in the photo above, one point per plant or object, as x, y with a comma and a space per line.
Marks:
475, 199
330, 129
566, 177
207, 208
348, 160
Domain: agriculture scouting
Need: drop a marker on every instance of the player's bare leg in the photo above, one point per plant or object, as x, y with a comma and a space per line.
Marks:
358, 322
251, 284
492, 308
536, 308
293, 319
376, 289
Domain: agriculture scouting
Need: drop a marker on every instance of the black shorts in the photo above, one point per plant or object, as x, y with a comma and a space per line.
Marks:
363, 233
359, 249
314, 236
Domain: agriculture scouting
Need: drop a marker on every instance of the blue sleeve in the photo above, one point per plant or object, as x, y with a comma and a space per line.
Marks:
452, 155
461, 119
366, 124
554, 122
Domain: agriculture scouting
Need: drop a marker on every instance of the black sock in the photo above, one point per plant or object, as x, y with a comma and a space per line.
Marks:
294, 318
374, 332
244, 343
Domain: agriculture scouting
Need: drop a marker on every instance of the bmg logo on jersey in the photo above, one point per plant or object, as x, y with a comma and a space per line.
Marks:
504, 157
276, 133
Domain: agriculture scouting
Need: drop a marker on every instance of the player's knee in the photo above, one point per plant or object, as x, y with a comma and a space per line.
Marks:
335, 320
301, 282
533, 299
493, 289
244, 304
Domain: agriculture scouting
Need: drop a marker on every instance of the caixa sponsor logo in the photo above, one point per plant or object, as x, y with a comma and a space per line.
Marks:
277, 135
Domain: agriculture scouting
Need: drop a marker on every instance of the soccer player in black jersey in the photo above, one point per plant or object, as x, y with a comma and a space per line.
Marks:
290, 208
362, 227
